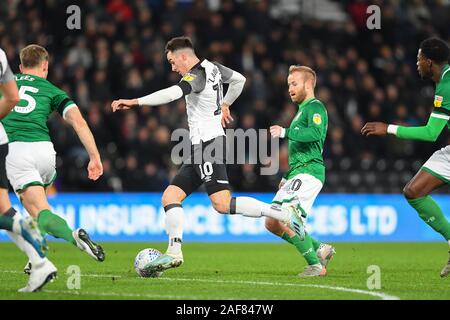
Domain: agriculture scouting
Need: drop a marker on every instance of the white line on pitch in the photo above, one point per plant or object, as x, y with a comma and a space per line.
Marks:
83, 275
132, 295
381, 295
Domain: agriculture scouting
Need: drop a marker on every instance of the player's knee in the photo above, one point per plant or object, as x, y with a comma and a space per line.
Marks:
272, 225
221, 206
410, 192
170, 196
165, 200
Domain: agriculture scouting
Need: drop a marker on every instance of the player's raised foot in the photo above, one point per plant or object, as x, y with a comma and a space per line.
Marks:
295, 221
315, 270
446, 270
164, 262
325, 253
87, 245
30, 232
41, 274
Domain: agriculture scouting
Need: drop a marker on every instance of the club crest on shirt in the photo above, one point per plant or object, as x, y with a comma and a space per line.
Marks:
317, 119
438, 101
188, 77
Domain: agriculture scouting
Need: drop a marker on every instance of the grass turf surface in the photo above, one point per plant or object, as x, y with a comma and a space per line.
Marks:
239, 271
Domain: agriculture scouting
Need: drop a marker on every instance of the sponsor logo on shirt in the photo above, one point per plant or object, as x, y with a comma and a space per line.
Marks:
189, 77
438, 101
317, 119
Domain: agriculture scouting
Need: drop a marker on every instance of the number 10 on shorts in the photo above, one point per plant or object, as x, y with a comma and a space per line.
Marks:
206, 169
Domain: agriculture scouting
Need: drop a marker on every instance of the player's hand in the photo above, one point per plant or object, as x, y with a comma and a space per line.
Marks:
275, 131
374, 129
95, 169
226, 115
123, 104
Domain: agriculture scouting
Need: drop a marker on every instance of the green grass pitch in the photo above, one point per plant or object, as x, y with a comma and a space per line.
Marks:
239, 271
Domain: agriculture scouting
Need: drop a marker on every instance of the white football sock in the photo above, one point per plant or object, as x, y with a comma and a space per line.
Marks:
251, 207
448, 242
174, 227
27, 248
16, 228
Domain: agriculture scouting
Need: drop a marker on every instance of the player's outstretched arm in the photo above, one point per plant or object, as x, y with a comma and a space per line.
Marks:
154, 99
429, 132
75, 119
374, 129
123, 104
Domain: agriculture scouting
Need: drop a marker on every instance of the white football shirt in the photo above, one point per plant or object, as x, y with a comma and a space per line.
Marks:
203, 88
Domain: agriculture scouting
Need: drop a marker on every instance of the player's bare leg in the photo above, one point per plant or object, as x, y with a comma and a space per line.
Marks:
417, 193
422, 184
31, 242
34, 199
220, 201
171, 200
23, 232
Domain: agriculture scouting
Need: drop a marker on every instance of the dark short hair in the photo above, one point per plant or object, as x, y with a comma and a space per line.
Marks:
177, 43
435, 49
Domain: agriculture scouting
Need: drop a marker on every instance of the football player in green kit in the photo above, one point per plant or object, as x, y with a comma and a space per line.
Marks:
432, 63
305, 178
31, 160
23, 232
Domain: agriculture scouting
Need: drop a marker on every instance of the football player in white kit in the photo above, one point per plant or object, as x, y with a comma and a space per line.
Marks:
208, 112
23, 232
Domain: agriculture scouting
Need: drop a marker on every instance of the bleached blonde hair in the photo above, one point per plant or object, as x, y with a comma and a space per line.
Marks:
307, 71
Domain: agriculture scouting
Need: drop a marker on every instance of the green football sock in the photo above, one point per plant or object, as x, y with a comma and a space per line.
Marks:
316, 243
430, 212
286, 237
6, 223
54, 225
306, 249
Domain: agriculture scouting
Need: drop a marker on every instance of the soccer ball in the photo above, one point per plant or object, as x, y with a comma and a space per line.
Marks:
142, 259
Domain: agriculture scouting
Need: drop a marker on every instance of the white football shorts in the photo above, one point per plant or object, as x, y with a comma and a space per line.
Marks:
439, 164
302, 188
30, 164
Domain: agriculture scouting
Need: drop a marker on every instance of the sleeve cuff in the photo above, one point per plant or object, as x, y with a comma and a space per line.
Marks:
283, 133
392, 129
70, 106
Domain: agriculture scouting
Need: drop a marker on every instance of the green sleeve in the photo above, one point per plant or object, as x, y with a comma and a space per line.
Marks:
429, 132
61, 101
315, 129
438, 118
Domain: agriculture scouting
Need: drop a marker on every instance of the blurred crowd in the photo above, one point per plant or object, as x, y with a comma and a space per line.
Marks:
363, 75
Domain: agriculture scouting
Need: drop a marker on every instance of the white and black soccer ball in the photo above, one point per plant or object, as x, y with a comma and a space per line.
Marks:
142, 259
